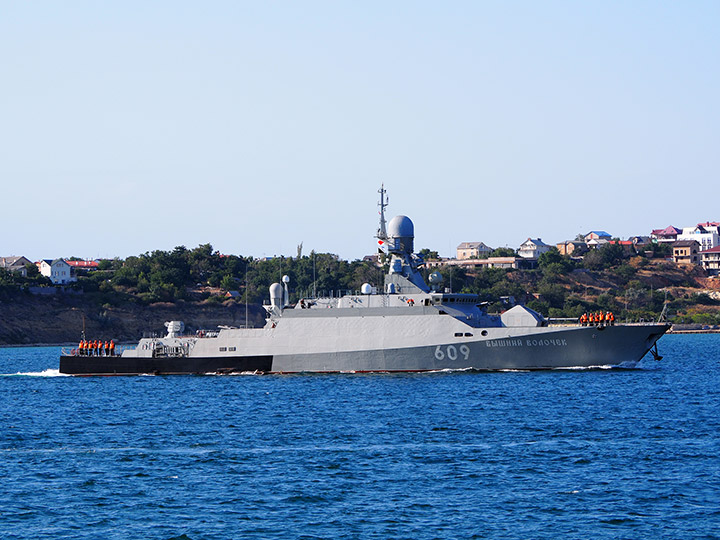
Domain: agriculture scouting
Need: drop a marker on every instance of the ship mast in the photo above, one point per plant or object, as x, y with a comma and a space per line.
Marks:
382, 231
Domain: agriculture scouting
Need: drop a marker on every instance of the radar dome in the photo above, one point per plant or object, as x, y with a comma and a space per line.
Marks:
401, 227
435, 278
276, 295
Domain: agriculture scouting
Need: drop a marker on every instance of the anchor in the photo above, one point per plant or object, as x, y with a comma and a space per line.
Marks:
655, 353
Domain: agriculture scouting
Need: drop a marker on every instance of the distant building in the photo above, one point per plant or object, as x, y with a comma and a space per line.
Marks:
597, 235
595, 243
707, 237
571, 247
532, 248
490, 262
668, 234
59, 271
83, 265
473, 250
711, 226
628, 245
640, 241
710, 260
686, 252
15, 264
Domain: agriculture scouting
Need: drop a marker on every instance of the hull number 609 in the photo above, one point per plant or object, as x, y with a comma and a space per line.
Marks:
451, 352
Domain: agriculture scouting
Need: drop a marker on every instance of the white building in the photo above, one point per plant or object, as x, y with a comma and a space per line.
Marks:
705, 235
532, 248
710, 260
57, 270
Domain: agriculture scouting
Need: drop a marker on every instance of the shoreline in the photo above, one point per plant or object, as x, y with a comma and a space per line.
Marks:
709, 331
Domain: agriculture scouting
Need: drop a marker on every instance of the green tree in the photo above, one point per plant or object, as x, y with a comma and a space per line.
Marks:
552, 262
428, 255
503, 252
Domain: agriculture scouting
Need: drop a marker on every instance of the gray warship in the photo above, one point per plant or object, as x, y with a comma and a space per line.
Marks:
405, 326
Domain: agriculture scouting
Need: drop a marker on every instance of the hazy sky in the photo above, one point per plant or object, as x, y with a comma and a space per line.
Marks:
131, 126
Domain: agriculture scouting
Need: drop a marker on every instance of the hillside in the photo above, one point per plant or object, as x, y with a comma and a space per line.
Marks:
28, 319
125, 299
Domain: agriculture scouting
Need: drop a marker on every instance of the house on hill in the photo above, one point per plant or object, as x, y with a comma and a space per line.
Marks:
59, 271
710, 226
639, 241
15, 264
597, 243
473, 250
707, 237
81, 268
668, 234
570, 247
532, 248
686, 252
628, 245
597, 235
710, 260
83, 265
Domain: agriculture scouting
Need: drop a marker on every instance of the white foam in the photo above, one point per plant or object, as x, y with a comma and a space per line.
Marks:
46, 373
448, 370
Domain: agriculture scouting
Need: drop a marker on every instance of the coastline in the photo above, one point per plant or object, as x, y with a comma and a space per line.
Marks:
693, 329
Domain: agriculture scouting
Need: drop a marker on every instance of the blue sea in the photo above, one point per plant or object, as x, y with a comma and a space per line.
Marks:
616, 454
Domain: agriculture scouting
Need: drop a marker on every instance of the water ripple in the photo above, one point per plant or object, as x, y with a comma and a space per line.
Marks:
618, 453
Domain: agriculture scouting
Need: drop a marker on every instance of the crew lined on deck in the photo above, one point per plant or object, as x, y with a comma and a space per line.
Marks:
597, 319
96, 347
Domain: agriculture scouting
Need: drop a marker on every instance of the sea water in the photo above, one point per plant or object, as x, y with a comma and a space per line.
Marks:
614, 453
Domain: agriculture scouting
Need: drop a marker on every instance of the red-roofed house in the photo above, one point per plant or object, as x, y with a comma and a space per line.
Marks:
627, 245
83, 265
668, 234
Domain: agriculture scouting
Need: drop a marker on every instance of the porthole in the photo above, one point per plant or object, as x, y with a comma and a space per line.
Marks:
483, 333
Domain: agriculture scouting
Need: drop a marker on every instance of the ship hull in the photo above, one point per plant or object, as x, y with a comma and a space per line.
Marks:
123, 365
516, 349
578, 348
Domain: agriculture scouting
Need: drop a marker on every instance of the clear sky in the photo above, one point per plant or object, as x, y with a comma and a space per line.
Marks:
131, 126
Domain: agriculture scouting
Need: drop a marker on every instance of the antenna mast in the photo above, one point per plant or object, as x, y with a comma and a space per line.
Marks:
382, 232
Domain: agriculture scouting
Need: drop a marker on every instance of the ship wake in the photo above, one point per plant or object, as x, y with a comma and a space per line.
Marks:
46, 373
